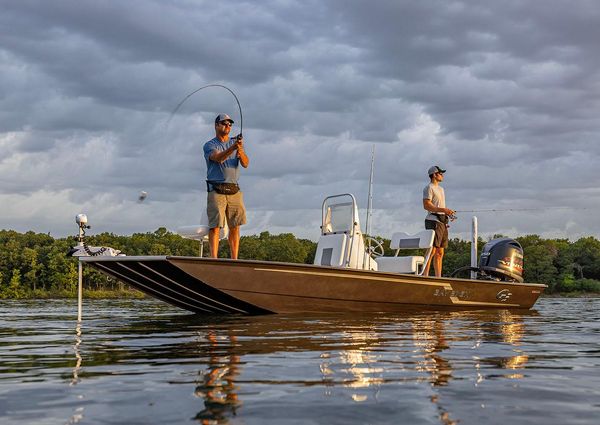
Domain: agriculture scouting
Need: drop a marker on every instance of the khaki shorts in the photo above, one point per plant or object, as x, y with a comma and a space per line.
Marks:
225, 207
441, 233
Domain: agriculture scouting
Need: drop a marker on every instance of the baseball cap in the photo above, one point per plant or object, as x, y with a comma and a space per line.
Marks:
223, 117
435, 169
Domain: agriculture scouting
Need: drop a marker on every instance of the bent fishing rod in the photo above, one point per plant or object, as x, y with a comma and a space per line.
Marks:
205, 87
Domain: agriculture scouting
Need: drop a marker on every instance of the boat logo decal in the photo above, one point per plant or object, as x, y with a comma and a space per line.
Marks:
450, 293
504, 295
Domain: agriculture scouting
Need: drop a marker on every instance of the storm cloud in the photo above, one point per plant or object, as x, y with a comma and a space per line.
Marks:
505, 95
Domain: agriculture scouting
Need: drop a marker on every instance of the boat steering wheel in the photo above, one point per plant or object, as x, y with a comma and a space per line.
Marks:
376, 247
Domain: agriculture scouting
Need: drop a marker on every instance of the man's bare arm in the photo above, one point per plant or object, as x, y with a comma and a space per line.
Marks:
428, 205
221, 157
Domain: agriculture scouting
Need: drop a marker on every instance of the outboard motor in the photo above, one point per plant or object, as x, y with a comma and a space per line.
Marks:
501, 259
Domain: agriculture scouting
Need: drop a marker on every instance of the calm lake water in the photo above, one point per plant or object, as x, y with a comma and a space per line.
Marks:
143, 362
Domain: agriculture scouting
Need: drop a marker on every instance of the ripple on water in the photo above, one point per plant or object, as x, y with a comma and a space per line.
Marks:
140, 361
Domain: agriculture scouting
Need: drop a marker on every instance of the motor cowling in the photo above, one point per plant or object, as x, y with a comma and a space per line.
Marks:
502, 259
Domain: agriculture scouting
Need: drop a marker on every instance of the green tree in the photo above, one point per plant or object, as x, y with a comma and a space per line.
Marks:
538, 264
33, 268
584, 256
13, 289
62, 271
33, 261
457, 255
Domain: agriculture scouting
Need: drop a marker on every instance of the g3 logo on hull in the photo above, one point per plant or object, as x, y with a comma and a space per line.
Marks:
504, 295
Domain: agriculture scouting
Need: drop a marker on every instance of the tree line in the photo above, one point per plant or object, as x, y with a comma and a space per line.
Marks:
36, 264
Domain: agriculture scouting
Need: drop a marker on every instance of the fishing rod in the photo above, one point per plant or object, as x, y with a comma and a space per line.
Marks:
205, 87
521, 209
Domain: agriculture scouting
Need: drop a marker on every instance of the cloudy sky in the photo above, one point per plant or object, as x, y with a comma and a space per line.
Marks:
505, 95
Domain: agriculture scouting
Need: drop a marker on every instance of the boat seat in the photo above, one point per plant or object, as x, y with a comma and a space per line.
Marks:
199, 232
409, 265
412, 264
331, 250
196, 233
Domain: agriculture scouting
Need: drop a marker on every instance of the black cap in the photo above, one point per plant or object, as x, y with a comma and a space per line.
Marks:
435, 169
223, 117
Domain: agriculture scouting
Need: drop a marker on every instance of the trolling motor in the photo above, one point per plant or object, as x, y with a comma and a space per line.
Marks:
82, 249
82, 222
501, 260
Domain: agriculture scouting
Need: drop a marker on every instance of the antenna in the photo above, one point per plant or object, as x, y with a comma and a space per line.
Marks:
370, 201
369, 207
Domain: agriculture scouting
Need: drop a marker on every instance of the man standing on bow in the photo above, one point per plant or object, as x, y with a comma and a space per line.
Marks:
225, 201
434, 202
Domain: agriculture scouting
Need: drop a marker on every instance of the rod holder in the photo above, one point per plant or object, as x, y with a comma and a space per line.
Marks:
473, 247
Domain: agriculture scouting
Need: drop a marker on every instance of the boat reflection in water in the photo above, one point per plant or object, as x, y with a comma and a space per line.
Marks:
511, 331
359, 357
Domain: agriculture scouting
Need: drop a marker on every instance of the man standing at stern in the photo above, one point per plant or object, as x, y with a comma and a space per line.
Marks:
225, 201
434, 201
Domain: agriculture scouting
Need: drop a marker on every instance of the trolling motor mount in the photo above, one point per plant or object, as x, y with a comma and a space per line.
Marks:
82, 249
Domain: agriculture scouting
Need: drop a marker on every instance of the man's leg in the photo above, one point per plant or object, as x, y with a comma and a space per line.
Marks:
213, 241
215, 210
234, 241
437, 261
431, 225
236, 216
428, 265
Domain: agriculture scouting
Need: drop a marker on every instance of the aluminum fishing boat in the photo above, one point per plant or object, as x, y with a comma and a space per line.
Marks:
349, 273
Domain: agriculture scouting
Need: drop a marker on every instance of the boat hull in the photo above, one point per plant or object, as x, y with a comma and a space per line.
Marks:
222, 286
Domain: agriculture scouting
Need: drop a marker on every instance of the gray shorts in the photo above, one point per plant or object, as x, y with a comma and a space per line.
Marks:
225, 207
441, 233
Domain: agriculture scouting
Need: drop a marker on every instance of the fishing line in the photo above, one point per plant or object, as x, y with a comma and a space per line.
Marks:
205, 87
523, 209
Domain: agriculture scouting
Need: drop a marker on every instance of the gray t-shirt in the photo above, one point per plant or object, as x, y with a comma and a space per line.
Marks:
435, 193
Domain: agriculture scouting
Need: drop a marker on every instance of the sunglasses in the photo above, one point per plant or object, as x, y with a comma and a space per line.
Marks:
226, 123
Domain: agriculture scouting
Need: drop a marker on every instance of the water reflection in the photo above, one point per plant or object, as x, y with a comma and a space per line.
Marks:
78, 358
144, 360
358, 357
361, 366
350, 357
216, 385
77, 416
512, 329
430, 341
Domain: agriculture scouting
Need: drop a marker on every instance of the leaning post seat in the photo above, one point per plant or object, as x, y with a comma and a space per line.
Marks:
196, 233
410, 264
199, 232
341, 243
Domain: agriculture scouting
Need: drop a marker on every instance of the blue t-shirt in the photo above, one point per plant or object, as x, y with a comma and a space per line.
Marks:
228, 170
